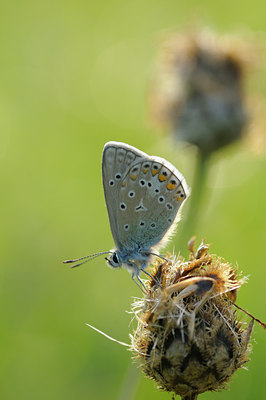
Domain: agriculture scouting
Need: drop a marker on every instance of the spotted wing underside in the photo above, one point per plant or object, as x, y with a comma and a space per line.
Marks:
143, 196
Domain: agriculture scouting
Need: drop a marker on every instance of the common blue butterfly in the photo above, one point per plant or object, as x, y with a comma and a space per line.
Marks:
143, 195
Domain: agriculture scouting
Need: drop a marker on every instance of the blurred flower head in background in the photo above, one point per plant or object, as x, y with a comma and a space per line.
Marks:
198, 92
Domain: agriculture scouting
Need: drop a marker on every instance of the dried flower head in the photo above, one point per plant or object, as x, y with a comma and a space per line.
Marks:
189, 339
198, 92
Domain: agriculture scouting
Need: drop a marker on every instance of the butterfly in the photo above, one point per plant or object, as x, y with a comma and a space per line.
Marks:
143, 196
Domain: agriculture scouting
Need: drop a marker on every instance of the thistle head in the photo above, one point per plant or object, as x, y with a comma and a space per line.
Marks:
198, 92
189, 338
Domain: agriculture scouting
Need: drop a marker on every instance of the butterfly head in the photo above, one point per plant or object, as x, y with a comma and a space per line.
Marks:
114, 261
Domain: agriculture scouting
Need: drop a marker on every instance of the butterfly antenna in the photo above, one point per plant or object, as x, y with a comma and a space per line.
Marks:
86, 259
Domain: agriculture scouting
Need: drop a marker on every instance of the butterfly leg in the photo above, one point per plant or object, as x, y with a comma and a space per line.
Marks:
134, 271
152, 277
140, 284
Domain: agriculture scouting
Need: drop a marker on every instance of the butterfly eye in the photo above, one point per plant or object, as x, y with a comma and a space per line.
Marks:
114, 260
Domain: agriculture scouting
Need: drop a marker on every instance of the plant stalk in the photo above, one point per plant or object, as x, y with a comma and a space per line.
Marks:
199, 184
191, 397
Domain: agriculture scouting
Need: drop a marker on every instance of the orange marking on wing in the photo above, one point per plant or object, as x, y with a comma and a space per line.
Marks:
162, 178
133, 177
124, 184
170, 186
145, 170
154, 172
179, 198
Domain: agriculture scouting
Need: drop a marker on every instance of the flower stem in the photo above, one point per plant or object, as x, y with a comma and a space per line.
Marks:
190, 223
130, 384
191, 397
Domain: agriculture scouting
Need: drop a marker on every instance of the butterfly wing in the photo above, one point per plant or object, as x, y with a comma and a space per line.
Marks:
116, 161
143, 196
153, 194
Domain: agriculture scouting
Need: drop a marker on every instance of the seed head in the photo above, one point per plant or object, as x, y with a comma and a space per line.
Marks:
189, 339
198, 92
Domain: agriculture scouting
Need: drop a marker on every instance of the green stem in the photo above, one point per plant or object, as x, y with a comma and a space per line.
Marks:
131, 383
191, 397
190, 223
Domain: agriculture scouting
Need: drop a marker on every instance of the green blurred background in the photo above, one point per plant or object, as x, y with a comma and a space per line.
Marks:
74, 75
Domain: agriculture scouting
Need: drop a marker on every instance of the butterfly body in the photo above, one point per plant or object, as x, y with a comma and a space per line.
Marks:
132, 260
143, 195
